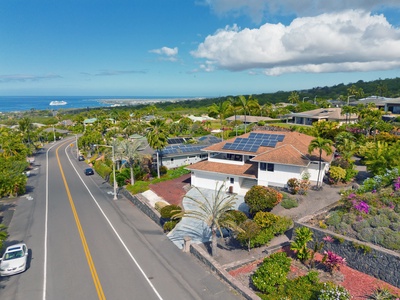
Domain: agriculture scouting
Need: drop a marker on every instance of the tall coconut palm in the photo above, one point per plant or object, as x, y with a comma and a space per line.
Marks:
294, 97
130, 151
212, 212
157, 137
320, 144
220, 111
26, 127
246, 105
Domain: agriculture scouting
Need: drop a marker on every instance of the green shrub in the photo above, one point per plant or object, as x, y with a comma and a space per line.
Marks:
277, 224
163, 170
379, 221
138, 187
349, 218
391, 214
391, 240
168, 211
358, 226
262, 238
289, 203
272, 273
237, 216
337, 173
343, 228
102, 169
249, 231
350, 174
334, 218
366, 234
395, 226
169, 225
261, 198
303, 287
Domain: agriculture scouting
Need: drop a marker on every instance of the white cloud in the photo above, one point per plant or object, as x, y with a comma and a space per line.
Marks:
27, 77
168, 53
117, 72
353, 40
259, 8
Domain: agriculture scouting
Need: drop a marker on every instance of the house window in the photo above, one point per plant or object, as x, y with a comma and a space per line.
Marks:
270, 167
232, 180
263, 166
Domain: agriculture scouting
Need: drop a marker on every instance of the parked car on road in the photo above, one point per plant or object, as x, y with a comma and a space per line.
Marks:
14, 260
89, 171
81, 158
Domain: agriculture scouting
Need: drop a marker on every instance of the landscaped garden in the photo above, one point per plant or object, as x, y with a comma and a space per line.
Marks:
370, 213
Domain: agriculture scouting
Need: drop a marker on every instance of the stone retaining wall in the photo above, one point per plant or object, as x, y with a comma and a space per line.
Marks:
143, 205
367, 258
211, 263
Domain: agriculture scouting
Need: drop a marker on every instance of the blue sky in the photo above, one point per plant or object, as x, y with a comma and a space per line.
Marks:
194, 47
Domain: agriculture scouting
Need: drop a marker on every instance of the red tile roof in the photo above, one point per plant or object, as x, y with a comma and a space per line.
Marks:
248, 169
292, 150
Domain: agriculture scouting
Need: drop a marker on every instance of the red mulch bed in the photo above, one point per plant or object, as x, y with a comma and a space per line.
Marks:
173, 190
358, 284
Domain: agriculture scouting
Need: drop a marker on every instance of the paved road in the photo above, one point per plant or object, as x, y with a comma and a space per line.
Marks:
84, 245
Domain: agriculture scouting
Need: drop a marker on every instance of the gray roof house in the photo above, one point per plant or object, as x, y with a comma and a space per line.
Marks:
322, 114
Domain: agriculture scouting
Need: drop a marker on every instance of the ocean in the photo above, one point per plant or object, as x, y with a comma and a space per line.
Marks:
26, 103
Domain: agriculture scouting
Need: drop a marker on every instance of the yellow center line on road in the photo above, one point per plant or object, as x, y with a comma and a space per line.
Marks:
95, 277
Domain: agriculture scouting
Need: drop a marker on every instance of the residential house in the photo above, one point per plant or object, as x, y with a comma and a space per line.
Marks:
250, 119
268, 158
185, 151
322, 114
392, 105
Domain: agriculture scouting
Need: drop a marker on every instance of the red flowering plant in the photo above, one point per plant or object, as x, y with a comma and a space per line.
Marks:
333, 261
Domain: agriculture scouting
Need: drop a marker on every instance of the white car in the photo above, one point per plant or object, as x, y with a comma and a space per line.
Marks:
14, 260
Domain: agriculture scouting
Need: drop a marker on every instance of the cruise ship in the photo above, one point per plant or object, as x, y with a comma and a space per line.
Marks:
58, 103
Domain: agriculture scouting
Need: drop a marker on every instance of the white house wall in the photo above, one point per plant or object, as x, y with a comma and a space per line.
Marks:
282, 173
209, 180
179, 161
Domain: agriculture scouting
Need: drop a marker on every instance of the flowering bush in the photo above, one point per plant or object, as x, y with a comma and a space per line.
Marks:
396, 184
361, 206
333, 261
297, 186
333, 292
293, 185
328, 239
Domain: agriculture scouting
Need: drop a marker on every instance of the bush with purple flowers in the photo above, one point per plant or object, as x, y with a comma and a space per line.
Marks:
361, 206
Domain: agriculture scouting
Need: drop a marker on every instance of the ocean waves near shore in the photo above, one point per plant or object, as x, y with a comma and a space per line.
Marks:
25, 103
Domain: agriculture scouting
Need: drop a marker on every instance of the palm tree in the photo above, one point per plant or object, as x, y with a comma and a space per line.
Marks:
320, 144
212, 212
26, 127
246, 105
130, 151
157, 137
220, 111
294, 97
